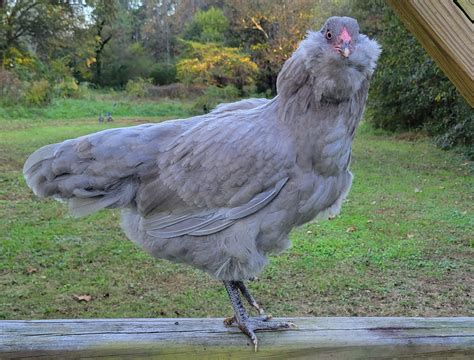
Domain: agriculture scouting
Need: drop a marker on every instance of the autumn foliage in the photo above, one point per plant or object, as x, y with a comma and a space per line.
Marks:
216, 65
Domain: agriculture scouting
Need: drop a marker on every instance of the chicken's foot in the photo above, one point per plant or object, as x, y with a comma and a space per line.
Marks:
247, 324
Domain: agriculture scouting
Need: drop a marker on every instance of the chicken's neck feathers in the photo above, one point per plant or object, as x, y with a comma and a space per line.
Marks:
321, 131
321, 100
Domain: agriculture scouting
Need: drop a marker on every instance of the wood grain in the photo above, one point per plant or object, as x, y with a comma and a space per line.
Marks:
446, 34
324, 338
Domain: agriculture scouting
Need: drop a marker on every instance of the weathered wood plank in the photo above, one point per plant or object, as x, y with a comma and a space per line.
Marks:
335, 338
446, 33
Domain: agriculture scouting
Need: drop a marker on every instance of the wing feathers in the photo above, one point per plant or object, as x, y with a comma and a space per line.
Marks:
207, 222
257, 203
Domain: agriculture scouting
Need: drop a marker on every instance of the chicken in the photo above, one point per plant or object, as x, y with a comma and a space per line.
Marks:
222, 191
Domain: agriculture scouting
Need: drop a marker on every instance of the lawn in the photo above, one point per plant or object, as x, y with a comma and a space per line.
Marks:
401, 246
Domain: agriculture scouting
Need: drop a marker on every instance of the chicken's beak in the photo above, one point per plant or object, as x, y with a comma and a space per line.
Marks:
345, 49
345, 41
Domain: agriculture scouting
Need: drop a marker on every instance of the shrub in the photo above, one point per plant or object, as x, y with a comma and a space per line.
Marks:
163, 74
58, 71
176, 91
138, 87
214, 96
23, 64
38, 93
67, 87
453, 125
11, 88
212, 64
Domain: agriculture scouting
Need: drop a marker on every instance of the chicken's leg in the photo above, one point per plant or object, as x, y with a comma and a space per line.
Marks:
247, 324
245, 292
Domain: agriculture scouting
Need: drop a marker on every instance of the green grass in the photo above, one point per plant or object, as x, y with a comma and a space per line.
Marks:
401, 245
90, 107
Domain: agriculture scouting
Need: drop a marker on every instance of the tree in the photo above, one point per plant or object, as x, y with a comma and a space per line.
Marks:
158, 29
270, 31
39, 25
207, 26
103, 15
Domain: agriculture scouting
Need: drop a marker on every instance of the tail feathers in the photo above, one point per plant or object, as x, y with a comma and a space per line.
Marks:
46, 152
37, 168
85, 203
84, 192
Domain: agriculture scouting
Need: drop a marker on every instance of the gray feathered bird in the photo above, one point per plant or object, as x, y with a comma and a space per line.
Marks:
222, 191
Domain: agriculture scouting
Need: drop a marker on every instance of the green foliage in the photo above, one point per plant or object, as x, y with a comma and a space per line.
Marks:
213, 64
43, 25
207, 26
163, 74
409, 92
123, 62
67, 87
38, 93
41, 80
24, 64
138, 87
57, 70
214, 96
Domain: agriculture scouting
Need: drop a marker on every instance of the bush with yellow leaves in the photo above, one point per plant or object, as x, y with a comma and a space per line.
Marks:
213, 64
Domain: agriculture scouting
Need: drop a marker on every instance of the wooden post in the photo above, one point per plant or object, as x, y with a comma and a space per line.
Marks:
446, 33
321, 338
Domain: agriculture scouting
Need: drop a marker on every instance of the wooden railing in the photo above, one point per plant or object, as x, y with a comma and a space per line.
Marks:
316, 338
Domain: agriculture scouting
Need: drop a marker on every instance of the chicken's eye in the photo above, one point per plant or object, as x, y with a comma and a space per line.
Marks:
328, 35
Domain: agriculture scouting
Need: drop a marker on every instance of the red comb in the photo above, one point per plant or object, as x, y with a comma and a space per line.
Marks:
345, 35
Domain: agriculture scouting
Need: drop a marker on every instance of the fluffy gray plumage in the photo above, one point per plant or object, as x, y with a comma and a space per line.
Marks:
222, 191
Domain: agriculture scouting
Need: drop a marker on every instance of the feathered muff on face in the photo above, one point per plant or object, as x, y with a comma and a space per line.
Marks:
339, 57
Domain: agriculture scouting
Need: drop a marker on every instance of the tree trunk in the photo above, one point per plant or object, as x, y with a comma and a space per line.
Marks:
98, 53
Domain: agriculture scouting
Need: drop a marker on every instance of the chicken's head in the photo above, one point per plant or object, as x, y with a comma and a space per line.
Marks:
341, 35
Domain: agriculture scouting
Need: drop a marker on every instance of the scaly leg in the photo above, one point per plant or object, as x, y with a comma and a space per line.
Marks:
245, 292
250, 299
247, 324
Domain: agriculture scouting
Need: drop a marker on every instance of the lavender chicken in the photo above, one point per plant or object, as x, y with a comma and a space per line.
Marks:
222, 191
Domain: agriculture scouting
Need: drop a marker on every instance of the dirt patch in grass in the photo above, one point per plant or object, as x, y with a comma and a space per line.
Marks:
411, 136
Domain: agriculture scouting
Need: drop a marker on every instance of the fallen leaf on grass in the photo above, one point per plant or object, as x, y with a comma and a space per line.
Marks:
31, 270
351, 229
85, 298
